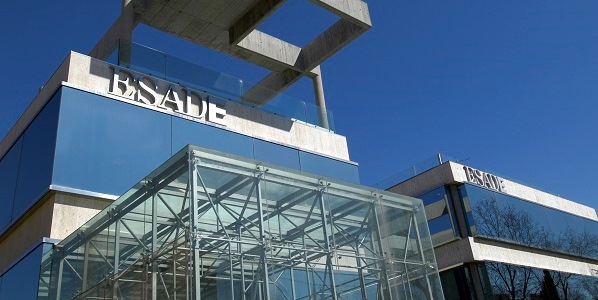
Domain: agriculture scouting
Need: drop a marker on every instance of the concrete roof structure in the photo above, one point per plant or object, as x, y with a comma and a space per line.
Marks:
229, 26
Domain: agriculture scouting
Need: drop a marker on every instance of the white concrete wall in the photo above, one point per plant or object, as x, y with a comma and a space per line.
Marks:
478, 250
533, 195
94, 76
425, 181
452, 172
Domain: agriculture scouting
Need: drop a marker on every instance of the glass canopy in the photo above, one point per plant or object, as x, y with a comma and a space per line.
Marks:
209, 225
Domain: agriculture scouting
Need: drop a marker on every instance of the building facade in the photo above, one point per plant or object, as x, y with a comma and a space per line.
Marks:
497, 239
105, 198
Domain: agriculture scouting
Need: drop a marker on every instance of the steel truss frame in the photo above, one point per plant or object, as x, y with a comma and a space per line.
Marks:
206, 225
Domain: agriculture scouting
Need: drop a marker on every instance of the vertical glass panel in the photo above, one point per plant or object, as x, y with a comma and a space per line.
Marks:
287, 107
439, 213
109, 140
277, 154
37, 157
328, 167
186, 132
21, 280
204, 79
146, 60
9, 167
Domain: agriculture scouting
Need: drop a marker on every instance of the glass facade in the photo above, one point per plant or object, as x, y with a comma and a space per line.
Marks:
518, 282
440, 214
457, 284
500, 216
134, 141
26, 169
500, 281
212, 225
21, 279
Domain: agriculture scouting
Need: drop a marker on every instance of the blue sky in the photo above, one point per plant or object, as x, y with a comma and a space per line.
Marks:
510, 86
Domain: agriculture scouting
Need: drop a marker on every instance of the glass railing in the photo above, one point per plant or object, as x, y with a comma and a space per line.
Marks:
176, 70
413, 170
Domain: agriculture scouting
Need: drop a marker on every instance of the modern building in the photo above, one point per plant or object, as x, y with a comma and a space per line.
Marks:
497, 239
104, 198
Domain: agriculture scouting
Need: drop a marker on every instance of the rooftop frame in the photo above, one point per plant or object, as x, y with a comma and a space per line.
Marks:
229, 26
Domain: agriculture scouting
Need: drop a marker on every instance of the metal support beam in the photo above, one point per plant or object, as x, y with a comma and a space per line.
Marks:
154, 247
263, 240
116, 259
330, 251
193, 224
385, 281
421, 250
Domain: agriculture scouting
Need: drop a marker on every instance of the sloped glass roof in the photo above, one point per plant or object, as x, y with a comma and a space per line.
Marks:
211, 225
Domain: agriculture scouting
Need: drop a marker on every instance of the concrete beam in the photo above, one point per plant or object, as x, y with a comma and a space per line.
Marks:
252, 19
328, 43
301, 62
268, 47
354, 10
121, 30
270, 86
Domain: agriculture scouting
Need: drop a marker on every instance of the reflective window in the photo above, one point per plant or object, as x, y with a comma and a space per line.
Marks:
105, 146
21, 280
317, 164
439, 212
280, 155
501, 216
518, 282
9, 168
37, 157
185, 132
457, 284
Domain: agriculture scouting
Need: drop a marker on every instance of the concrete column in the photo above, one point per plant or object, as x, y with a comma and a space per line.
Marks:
127, 23
477, 280
460, 214
320, 100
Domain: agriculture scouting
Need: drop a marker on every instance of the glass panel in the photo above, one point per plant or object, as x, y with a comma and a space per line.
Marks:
186, 132
328, 167
500, 216
98, 136
21, 280
147, 60
438, 212
9, 167
518, 282
281, 155
37, 157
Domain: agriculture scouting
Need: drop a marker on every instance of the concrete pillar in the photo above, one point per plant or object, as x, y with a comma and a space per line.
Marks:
127, 24
460, 215
320, 100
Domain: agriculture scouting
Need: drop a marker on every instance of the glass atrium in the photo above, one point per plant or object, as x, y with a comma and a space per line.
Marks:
208, 225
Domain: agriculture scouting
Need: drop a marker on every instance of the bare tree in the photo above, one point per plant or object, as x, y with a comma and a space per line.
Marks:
518, 282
